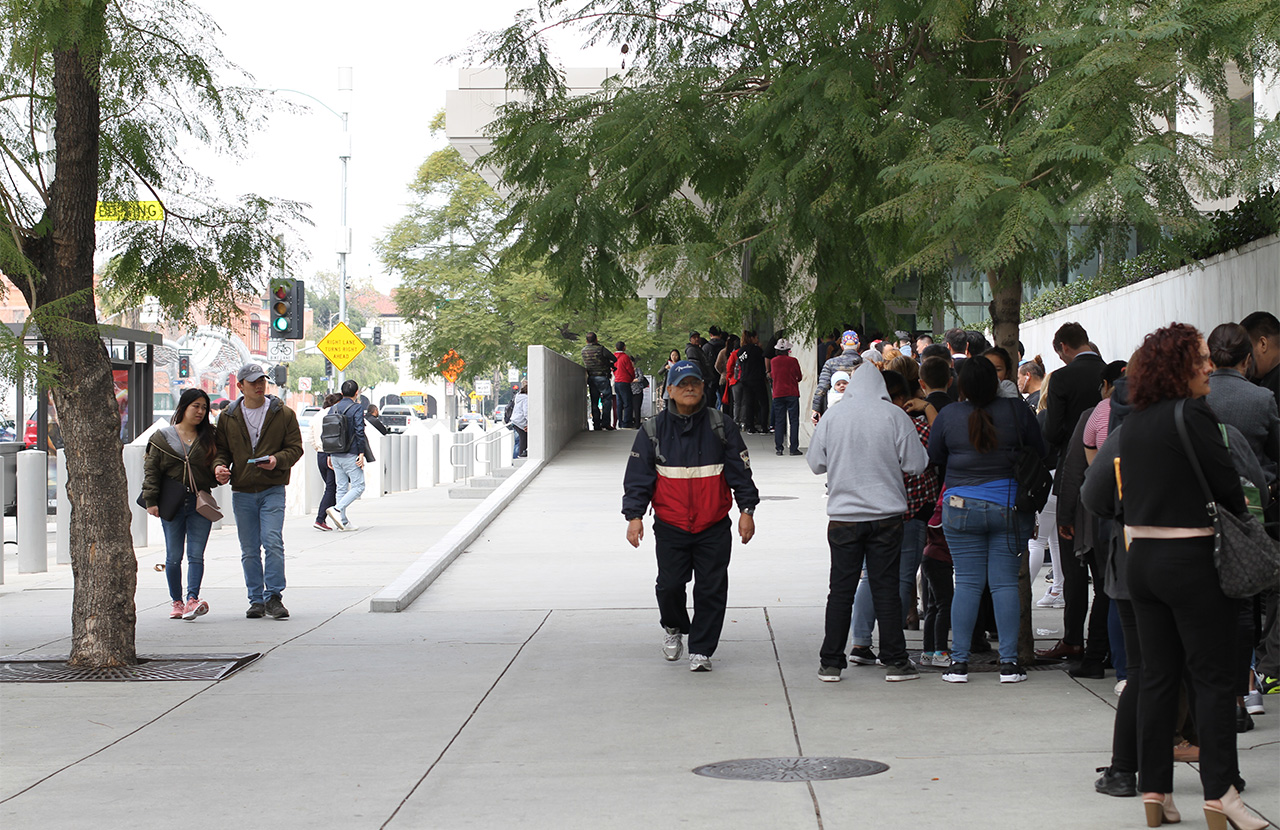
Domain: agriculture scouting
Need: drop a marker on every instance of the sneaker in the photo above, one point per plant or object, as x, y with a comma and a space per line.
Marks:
1119, 784
958, 673
1051, 599
350, 526
1120, 687
863, 656
321, 526
177, 610
699, 662
195, 608
925, 659
672, 644
1253, 703
275, 608
336, 518
779, 452
796, 452
1048, 577
941, 659
829, 674
1268, 685
256, 611
1012, 673
900, 672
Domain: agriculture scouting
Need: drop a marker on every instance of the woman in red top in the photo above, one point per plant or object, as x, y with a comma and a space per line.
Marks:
785, 370
624, 371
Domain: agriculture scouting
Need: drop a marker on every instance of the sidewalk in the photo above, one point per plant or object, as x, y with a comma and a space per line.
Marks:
525, 688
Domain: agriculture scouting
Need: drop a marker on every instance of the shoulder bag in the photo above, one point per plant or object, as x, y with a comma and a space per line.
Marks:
1248, 560
1029, 470
206, 504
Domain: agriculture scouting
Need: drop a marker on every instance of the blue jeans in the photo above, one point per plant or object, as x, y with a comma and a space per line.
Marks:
786, 408
348, 477
260, 525
864, 612
986, 542
622, 391
190, 530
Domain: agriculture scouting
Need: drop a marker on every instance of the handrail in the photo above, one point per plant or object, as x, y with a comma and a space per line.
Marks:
491, 462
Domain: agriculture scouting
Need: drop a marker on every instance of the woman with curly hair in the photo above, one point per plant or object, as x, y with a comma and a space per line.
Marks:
1187, 626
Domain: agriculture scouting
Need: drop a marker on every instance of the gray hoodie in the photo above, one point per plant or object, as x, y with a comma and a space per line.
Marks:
864, 445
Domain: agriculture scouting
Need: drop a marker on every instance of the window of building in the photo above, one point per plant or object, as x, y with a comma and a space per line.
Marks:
255, 333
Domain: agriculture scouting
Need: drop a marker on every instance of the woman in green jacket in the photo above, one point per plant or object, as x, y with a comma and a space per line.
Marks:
182, 453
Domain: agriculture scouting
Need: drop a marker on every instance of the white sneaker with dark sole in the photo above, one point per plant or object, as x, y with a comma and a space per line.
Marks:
335, 517
672, 644
699, 662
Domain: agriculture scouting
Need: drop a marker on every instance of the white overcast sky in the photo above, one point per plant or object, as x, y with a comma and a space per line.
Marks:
395, 49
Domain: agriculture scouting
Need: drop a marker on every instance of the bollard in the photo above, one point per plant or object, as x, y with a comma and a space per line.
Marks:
2, 541
33, 511
435, 459
311, 477
391, 458
134, 458
63, 543
222, 493
403, 477
412, 480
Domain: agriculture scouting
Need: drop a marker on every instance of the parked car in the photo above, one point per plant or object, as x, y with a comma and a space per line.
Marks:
397, 417
499, 412
305, 416
472, 419
8, 431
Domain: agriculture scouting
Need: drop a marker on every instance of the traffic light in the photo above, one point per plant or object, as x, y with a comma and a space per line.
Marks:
184, 366
377, 335
328, 368
280, 375
286, 299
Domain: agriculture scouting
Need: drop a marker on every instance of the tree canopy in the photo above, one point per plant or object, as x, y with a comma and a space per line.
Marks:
844, 147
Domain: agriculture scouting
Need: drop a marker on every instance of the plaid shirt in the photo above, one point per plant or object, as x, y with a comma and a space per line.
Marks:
922, 489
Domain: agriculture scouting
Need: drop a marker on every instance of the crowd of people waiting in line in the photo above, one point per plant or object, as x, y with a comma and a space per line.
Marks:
925, 450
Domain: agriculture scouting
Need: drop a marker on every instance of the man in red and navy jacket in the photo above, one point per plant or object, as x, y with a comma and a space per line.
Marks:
686, 462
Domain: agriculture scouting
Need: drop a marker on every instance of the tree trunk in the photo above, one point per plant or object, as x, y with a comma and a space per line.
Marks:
1005, 308
102, 557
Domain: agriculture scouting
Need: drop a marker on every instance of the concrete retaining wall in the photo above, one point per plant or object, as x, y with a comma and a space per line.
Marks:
1222, 289
557, 402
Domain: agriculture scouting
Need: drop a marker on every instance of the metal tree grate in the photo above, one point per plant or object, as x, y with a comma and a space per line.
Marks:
53, 668
791, 769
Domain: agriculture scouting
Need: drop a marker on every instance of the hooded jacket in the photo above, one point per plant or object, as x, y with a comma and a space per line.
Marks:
690, 485
280, 437
864, 445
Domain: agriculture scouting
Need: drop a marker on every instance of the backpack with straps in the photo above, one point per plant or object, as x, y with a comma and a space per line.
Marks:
335, 430
716, 417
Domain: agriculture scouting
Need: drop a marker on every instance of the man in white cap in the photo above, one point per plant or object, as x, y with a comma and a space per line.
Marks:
786, 374
847, 361
258, 442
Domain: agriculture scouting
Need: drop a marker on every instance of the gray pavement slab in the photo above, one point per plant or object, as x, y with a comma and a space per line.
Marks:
525, 688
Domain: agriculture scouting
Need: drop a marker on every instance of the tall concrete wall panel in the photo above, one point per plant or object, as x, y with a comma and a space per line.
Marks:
1223, 289
557, 401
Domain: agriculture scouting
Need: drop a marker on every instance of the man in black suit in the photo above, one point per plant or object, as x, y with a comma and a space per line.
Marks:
1074, 389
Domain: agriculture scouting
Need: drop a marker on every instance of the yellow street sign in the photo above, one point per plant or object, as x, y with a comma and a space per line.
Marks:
341, 345
129, 212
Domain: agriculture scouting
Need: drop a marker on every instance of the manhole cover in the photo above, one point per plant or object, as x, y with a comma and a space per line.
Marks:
791, 769
53, 668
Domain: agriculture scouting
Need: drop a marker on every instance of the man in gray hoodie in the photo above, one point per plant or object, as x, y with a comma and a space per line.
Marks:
864, 445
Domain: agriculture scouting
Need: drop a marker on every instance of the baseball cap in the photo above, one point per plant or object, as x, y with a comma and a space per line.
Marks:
850, 338
250, 372
783, 345
681, 370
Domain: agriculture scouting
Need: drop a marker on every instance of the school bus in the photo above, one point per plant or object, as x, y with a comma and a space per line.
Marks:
418, 400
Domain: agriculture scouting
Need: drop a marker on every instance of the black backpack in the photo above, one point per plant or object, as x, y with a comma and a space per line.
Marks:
715, 416
335, 430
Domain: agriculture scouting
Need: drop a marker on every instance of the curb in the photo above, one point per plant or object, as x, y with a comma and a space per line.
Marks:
407, 587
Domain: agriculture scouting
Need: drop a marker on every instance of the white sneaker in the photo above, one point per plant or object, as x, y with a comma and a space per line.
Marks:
1253, 703
1120, 687
925, 659
336, 518
1051, 599
672, 644
699, 662
941, 659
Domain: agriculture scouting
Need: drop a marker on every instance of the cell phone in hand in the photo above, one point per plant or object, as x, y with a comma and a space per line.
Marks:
262, 459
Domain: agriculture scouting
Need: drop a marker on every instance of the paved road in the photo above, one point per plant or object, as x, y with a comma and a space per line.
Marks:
525, 689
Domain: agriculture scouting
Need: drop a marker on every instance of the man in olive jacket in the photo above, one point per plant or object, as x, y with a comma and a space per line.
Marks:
258, 441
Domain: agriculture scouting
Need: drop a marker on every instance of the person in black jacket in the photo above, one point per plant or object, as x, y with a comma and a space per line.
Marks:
685, 462
1186, 625
755, 389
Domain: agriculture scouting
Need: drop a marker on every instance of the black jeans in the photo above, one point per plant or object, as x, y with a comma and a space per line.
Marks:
330, 497
939, 579
600, 394
754, 414
878, 545
1075, 590
1124, 736
703, 557
1186, 625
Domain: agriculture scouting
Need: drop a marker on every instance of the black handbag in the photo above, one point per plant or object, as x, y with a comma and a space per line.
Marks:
1035, 482
1248, 560
172, 492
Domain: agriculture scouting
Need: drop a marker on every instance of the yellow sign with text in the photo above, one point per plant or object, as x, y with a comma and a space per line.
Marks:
129, 212
341, 345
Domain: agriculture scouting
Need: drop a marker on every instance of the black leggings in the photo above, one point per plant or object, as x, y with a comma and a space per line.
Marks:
1124, 736
1185, 625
